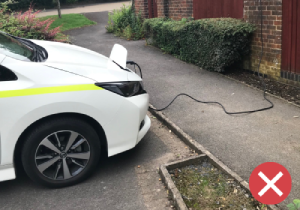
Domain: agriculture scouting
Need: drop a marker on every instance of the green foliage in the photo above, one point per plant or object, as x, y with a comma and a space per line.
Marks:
212, 44
295, 205
125, 23
68, 21
26, 25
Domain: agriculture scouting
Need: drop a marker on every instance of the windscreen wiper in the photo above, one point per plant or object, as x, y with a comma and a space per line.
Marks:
39, 53
120, 66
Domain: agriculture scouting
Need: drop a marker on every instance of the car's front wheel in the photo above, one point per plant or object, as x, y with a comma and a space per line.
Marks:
61, 152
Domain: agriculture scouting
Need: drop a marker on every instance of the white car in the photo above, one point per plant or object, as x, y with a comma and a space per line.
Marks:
61, 105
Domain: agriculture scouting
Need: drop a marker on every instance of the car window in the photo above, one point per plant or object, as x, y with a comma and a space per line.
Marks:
7, 75
15, 49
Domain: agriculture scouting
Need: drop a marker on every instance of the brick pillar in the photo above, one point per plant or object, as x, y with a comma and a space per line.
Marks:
175, 9
141, 6
272, 36
162, 8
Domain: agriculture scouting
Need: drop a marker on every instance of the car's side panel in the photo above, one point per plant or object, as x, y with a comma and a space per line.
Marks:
7, 172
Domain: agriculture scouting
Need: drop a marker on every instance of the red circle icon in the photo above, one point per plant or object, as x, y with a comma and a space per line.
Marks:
270, 183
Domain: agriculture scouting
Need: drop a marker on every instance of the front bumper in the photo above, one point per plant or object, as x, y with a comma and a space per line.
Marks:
127, 129
144, 129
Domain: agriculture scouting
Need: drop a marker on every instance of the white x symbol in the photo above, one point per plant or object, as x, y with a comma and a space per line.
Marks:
270, 184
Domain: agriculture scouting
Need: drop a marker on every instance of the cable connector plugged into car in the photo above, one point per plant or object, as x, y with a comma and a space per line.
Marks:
135, 64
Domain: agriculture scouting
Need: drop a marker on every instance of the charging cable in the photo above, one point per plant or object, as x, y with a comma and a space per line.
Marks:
214, 102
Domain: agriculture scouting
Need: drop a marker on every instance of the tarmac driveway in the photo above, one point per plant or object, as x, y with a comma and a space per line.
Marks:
241, 142
128, 181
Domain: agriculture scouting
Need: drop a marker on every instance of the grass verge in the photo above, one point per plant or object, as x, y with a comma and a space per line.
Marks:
69, 21
205, 187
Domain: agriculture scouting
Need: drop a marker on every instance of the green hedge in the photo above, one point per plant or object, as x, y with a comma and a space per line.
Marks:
212, 44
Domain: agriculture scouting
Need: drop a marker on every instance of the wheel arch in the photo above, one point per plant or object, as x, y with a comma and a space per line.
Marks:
95, 124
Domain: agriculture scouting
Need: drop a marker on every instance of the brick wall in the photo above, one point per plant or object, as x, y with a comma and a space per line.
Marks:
272, 32
272, 29
162, 8
142, 7
175, 9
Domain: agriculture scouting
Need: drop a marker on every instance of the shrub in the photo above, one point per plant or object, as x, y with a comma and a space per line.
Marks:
125, 23
26, 25
212, 44
295, 205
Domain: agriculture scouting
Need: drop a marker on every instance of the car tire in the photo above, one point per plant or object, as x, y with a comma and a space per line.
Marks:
74, 158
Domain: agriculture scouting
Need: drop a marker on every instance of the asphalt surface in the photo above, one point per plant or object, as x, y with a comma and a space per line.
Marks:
81, 8
241, 142
104, 190
128, 181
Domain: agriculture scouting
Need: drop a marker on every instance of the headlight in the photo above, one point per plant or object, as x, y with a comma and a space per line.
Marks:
126, 89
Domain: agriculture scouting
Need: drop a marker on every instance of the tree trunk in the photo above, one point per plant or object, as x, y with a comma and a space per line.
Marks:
58, 8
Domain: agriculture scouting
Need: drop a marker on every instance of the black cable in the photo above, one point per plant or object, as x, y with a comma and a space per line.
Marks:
135, 64
214, 102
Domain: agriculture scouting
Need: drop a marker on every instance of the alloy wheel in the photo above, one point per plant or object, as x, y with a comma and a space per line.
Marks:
62, 155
